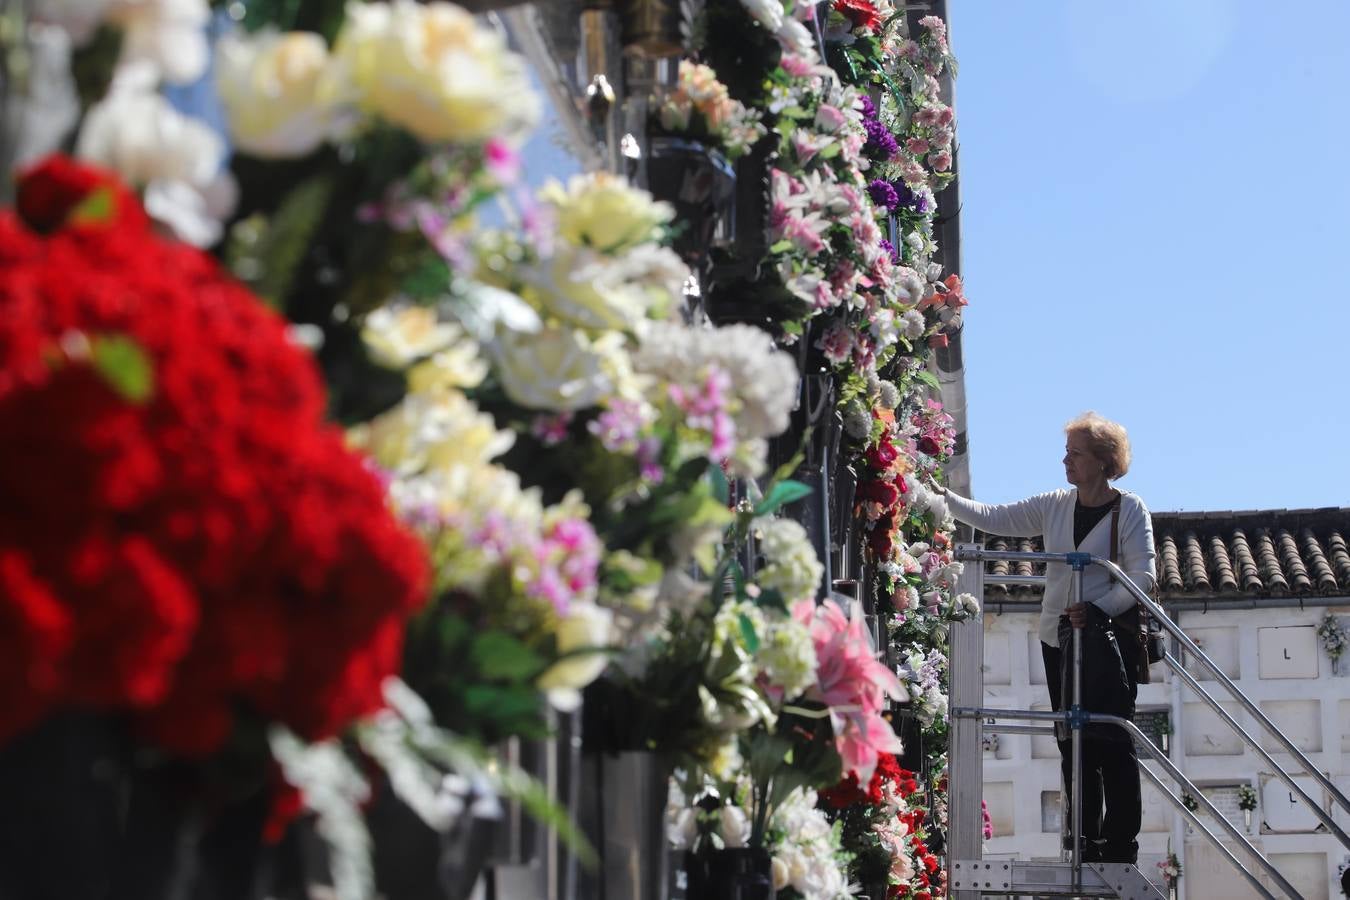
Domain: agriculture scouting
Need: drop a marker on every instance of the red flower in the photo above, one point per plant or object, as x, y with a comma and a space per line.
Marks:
211, 548
877, 491
860, 12
882, 455
54, 188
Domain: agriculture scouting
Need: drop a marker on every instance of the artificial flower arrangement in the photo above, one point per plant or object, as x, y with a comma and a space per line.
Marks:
1335, 638
621, 445
699, 106
1170, 868
885, 827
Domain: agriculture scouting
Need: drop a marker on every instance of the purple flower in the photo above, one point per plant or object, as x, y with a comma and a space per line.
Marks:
881, 143
883, 194
891, 251
869, 109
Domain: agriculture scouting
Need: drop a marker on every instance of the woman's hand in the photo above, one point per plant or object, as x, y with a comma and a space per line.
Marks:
1077, 615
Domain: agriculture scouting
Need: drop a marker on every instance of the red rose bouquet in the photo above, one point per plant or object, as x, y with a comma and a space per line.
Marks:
182, 537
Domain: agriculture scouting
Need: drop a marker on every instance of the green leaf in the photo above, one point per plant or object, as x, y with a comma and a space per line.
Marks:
782, 246
748, 633
501, 657
771, 598
125, 367
929, 379
782, 493
286, 239
720, 488
97, 208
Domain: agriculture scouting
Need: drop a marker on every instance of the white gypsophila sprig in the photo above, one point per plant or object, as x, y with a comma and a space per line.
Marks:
334, 790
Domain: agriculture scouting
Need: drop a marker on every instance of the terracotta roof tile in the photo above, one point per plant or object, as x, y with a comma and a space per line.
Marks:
1269, 563
1248, 574
1340, 557
1224, 555
1317, 560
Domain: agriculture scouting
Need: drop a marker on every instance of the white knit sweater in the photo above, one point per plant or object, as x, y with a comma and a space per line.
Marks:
1051, 515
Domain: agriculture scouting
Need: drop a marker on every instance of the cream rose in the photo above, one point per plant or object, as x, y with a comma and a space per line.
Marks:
586, 626
603, 212
399, 336
269, 83
432, 69
555, 368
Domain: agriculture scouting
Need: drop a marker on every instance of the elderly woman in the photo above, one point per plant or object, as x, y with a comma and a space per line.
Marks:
1086, 518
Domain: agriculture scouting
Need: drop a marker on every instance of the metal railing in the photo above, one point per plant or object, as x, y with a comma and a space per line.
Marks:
1075, 718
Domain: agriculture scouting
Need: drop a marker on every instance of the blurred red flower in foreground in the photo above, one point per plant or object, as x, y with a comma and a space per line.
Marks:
181, 534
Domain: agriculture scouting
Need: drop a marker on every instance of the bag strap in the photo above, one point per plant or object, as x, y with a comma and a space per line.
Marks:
1115, 529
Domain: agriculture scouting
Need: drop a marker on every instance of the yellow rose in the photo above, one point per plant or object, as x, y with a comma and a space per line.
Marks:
585, 626
432, 69
269, 85
603, 212
555, 368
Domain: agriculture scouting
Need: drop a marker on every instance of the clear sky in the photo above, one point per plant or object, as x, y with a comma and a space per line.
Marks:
1156, 225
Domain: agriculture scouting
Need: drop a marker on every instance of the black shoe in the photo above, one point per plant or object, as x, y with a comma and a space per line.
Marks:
1091, 850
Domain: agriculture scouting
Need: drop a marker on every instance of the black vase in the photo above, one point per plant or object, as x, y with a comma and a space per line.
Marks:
701, 185
734, 873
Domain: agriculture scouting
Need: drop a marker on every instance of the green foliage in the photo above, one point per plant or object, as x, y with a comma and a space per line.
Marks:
266, 253
781, 494
124, 366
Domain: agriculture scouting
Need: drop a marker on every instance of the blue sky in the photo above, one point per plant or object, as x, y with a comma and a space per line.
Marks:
1155, 225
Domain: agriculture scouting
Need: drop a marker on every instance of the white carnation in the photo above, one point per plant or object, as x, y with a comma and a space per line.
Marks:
764, 379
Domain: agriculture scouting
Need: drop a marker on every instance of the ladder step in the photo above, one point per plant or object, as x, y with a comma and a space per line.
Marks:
1015, 877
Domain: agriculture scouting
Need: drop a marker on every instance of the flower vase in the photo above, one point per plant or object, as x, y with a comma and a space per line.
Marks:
91, 814
623, 801
732, 873
1247, 818
699, 182
1163, 742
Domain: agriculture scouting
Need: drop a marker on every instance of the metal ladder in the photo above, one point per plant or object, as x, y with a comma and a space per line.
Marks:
970, 876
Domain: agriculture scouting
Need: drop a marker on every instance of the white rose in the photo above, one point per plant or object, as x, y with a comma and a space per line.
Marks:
681, 827
176, 159
768, 13
555, 368
432, 69
269, 84
584, 627
735, 826
143, 138
167, 35
780, 872
594, 291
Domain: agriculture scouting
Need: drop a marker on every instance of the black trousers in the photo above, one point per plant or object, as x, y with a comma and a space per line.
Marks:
1112, 804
